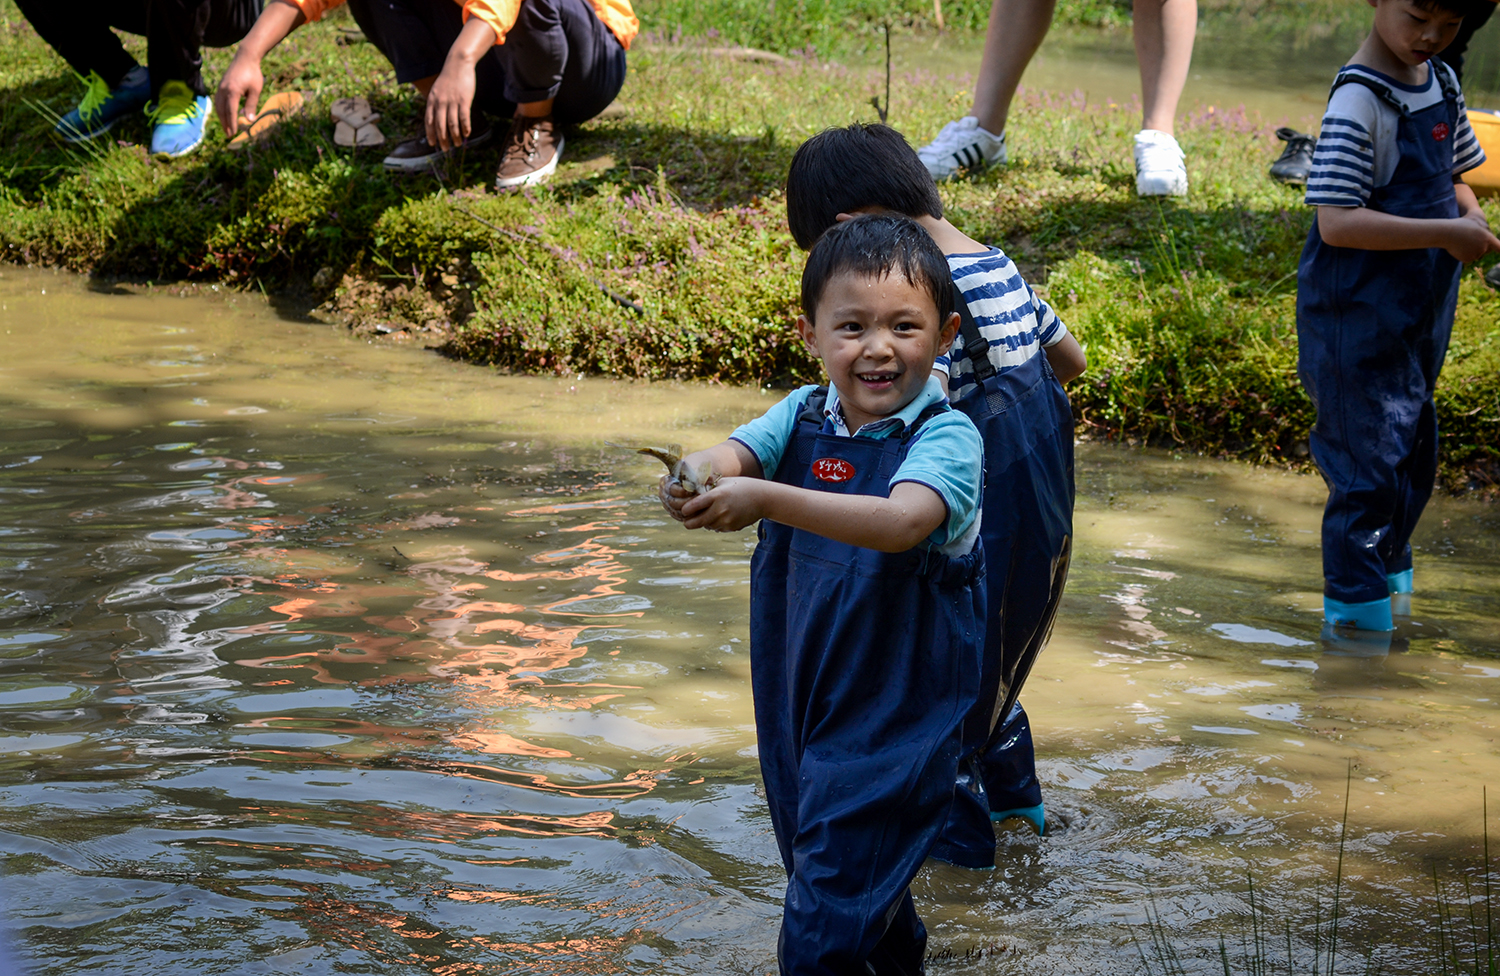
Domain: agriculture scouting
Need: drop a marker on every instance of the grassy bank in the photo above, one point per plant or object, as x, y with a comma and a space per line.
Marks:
672, 205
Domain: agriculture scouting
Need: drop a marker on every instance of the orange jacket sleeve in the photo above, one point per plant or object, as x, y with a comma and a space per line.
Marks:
315, 9
501, 16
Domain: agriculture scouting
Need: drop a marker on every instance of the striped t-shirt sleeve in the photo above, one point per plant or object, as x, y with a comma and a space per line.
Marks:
1343, 166
1467, 152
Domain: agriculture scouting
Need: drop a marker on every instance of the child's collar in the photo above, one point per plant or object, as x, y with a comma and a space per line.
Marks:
931, 393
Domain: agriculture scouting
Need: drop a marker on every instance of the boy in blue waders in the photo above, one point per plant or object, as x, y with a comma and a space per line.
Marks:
866, 596
1376, 291
1004, 372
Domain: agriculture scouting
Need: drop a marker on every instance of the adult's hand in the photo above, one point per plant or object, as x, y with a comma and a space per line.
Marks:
243, 81
450, 101
449, 104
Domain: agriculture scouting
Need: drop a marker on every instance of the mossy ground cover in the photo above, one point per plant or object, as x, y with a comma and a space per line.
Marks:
660, 250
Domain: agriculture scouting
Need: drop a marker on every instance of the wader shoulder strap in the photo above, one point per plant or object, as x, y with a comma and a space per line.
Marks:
1446, 80
976, 346
922, 418
1383, 93
812, 407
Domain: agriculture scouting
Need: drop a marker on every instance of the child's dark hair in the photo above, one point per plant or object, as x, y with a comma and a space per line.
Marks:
878, 245
1464, 8
844, 170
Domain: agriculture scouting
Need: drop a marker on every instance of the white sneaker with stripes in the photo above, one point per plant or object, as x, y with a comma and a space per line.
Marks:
962, 145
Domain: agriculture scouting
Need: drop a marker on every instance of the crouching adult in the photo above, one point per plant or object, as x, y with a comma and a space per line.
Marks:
538, 64
171, 91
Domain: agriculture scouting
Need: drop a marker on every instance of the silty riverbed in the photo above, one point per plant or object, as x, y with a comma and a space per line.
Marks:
317, 656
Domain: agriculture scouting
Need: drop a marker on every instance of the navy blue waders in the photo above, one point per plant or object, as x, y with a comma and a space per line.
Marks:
1027, 425
864, 665
1372, 331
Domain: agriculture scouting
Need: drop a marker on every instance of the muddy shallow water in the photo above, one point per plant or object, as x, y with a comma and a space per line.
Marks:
319, 656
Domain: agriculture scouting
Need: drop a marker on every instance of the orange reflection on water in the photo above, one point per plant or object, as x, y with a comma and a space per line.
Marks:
500, 743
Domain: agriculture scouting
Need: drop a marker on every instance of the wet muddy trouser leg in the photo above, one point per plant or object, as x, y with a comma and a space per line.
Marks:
864, 666
1027, 425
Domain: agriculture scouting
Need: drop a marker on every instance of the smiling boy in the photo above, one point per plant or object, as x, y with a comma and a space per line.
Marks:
867, 595
1377, 287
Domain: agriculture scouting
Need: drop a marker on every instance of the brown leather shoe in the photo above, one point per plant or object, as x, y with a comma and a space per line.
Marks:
419, 156
530, 153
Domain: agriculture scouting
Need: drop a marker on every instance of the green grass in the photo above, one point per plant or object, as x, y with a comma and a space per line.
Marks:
674, 204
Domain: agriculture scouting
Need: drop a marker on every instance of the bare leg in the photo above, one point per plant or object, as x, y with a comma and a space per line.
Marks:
1164, 31
1015, 31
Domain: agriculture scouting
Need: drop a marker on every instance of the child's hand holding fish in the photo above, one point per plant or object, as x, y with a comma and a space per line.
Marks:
716, 469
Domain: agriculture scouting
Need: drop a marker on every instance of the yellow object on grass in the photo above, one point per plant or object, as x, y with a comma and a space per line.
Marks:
1485, 179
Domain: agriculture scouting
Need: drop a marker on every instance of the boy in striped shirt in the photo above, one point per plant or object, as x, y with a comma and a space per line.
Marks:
1377, 287
1005, 372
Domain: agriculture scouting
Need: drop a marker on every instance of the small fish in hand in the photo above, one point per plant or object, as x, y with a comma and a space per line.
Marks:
692, 482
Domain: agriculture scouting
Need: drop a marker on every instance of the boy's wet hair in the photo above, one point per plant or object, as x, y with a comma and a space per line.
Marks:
876, 246
854, 168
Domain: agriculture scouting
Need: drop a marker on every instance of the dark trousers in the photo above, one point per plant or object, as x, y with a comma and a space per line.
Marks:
176, 31
559, 49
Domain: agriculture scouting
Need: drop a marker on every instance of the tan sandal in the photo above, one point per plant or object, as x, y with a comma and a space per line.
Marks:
277, 109
354, 123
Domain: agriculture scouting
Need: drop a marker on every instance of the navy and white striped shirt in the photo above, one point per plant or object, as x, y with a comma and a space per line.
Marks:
1357, 149
1016, 322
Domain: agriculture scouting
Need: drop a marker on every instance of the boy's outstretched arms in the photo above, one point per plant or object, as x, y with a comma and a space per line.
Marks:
742, 497
895, 524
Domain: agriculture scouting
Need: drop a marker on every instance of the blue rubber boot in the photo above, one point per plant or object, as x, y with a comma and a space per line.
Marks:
1374, 615
1400, 585
1035, 816
1400, 582
181, 119
103, 106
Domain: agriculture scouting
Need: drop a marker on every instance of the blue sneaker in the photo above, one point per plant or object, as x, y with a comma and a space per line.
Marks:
181, 119
103, 106
1032, 815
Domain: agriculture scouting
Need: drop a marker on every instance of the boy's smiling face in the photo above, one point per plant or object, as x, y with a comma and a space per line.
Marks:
877, 338
1414, 33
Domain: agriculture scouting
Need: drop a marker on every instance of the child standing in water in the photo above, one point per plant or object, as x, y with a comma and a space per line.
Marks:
866, 595
1376, 291
1004, 373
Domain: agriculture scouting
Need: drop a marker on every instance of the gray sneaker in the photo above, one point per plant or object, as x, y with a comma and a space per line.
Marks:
420, 156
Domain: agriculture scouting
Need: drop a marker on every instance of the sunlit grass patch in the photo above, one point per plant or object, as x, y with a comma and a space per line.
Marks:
659, 250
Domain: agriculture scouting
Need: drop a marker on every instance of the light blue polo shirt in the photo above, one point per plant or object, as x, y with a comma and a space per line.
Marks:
946, 454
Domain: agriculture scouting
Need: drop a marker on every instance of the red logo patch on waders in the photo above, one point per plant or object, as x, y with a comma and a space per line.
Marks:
1440, 132
832, 469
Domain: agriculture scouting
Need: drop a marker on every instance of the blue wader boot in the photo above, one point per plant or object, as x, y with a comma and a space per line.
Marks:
1027, 426
864, 665
1372, 331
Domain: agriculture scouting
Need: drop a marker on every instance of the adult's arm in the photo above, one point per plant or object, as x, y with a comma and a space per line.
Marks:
450, 101
243, 80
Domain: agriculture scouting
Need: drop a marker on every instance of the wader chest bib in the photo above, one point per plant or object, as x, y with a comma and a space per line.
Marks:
864, 665
1026, 423
1372, 331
